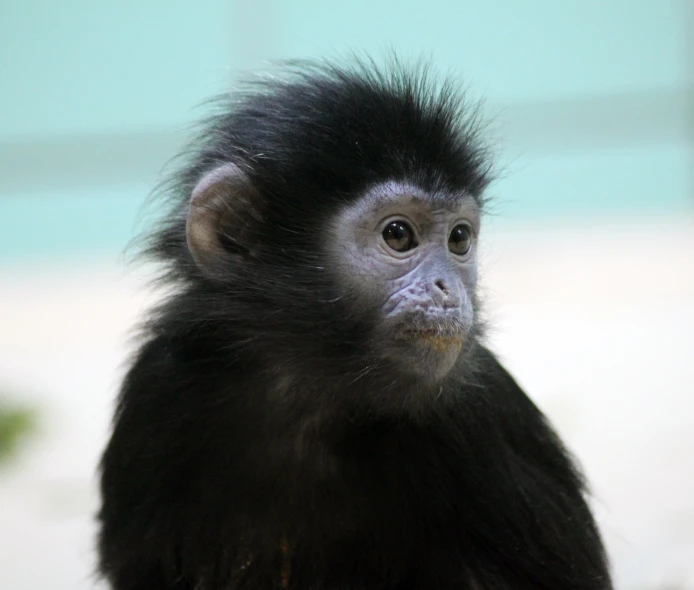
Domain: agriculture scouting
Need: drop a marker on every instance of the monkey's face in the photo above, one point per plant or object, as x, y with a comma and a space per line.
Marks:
411, 259
398, 262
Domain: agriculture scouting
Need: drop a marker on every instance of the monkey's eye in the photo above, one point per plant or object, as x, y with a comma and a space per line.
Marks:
399, 236
460, 240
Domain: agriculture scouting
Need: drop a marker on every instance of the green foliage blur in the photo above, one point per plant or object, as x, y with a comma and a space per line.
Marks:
16, 423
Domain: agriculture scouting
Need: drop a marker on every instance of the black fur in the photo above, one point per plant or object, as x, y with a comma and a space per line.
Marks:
258, 445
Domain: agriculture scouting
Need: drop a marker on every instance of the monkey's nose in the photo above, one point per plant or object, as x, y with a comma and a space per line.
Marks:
445, 294
442, 287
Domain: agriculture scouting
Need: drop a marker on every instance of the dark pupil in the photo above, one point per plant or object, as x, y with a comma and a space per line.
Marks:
398, 236
459, 242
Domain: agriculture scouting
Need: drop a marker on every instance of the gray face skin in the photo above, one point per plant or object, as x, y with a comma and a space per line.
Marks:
413, 258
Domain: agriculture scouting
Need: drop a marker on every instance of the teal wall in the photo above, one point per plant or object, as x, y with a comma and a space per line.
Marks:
593, 100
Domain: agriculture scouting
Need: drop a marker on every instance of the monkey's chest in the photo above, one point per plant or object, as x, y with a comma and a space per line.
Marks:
365, 533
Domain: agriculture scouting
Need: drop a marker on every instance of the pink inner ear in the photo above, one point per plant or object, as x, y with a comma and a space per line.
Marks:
223, 173
222, 194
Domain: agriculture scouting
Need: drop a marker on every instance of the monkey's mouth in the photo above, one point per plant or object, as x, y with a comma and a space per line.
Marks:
422, 332
441, 340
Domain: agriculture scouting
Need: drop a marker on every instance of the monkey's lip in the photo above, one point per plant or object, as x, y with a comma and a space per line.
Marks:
434, 336
417, 332
429, 332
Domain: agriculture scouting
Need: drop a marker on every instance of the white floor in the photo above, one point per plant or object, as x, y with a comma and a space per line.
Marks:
597, 324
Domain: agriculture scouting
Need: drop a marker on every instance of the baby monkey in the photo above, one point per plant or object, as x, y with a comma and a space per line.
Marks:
312, 406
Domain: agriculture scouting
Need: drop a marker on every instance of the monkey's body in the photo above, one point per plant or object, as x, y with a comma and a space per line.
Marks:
479, 495
279, 427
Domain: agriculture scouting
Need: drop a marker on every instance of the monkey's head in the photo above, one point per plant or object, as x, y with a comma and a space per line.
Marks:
329, 221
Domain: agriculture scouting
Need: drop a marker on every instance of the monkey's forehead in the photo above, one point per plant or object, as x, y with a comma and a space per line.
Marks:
392, 193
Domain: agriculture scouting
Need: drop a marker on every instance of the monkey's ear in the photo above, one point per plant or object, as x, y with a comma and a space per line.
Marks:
223, 216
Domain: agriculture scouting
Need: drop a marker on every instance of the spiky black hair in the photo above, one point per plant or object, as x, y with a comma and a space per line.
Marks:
314, 132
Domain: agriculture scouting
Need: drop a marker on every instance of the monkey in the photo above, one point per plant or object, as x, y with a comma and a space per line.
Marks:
312, 404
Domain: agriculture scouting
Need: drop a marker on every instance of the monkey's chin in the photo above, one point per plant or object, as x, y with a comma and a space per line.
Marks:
429, 354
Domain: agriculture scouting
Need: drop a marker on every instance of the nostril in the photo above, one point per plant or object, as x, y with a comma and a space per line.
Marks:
440, 284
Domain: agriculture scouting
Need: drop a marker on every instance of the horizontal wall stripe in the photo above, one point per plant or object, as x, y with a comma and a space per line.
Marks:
63, 162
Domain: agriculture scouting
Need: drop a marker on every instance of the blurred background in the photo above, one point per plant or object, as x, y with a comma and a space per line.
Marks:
588, 259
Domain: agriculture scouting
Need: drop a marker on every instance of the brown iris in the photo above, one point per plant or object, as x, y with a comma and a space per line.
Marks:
399, 236
460, 240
